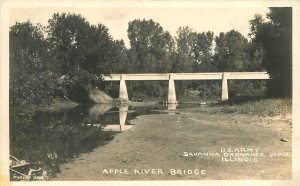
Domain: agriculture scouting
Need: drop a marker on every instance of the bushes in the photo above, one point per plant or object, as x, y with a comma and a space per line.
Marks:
260, 107
30, 80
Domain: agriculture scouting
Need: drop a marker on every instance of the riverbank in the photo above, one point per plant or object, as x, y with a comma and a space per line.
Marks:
193, 143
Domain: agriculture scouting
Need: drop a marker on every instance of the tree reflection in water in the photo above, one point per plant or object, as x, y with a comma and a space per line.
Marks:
47, 139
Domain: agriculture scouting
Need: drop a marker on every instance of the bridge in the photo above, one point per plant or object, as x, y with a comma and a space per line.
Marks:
171, 77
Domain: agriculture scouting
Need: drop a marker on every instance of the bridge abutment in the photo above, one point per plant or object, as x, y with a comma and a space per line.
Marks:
171, 91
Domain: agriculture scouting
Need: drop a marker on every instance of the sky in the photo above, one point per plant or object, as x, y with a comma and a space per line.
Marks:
170, 18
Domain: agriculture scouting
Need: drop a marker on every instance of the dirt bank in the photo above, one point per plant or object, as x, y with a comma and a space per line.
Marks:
97, 96
191, 144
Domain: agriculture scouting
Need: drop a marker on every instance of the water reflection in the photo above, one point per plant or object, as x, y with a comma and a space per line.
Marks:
98, 109
172, 107
123, 111
49, 138
107, 124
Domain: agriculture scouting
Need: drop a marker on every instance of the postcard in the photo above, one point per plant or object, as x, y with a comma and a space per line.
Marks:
149, 92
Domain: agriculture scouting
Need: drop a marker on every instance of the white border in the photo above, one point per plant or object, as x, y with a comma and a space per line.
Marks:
4, 84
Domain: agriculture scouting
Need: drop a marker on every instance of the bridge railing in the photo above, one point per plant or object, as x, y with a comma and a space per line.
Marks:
187, 76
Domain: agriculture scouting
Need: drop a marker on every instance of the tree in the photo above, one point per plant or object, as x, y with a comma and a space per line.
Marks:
203, 52
194, 54
151, 51
194, 51
151, 45
185, 58
68, 39
122, 64
274, 37
231, 52
82, 52
31, 82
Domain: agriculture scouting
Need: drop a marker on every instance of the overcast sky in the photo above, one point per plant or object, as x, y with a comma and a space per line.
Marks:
116, 19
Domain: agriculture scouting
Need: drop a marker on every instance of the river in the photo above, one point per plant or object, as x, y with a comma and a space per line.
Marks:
49, 138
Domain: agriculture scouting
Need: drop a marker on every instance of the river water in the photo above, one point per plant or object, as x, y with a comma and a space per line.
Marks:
46, 139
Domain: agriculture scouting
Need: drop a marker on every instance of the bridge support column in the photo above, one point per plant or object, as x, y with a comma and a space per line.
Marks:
123, 96
171, 91
224, 88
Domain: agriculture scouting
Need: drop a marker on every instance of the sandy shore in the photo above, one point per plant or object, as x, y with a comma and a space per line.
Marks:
190, 144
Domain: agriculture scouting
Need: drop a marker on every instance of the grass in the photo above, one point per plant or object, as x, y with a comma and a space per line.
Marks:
264, 107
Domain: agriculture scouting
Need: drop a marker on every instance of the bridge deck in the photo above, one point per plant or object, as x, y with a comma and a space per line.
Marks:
188, 76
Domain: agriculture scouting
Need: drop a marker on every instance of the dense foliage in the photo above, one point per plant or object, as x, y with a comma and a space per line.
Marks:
274, 38
30, 79
67, 57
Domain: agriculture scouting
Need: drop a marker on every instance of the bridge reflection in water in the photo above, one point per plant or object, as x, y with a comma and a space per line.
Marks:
58, 135
123, 111
172, 106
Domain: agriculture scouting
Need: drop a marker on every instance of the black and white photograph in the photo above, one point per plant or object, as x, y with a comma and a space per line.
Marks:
149, 91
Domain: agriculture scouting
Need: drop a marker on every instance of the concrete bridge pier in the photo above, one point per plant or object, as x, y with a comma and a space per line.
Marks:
123, 96
171, 91
224, 87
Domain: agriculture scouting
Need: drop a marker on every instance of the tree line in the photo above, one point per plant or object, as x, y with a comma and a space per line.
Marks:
67, 57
